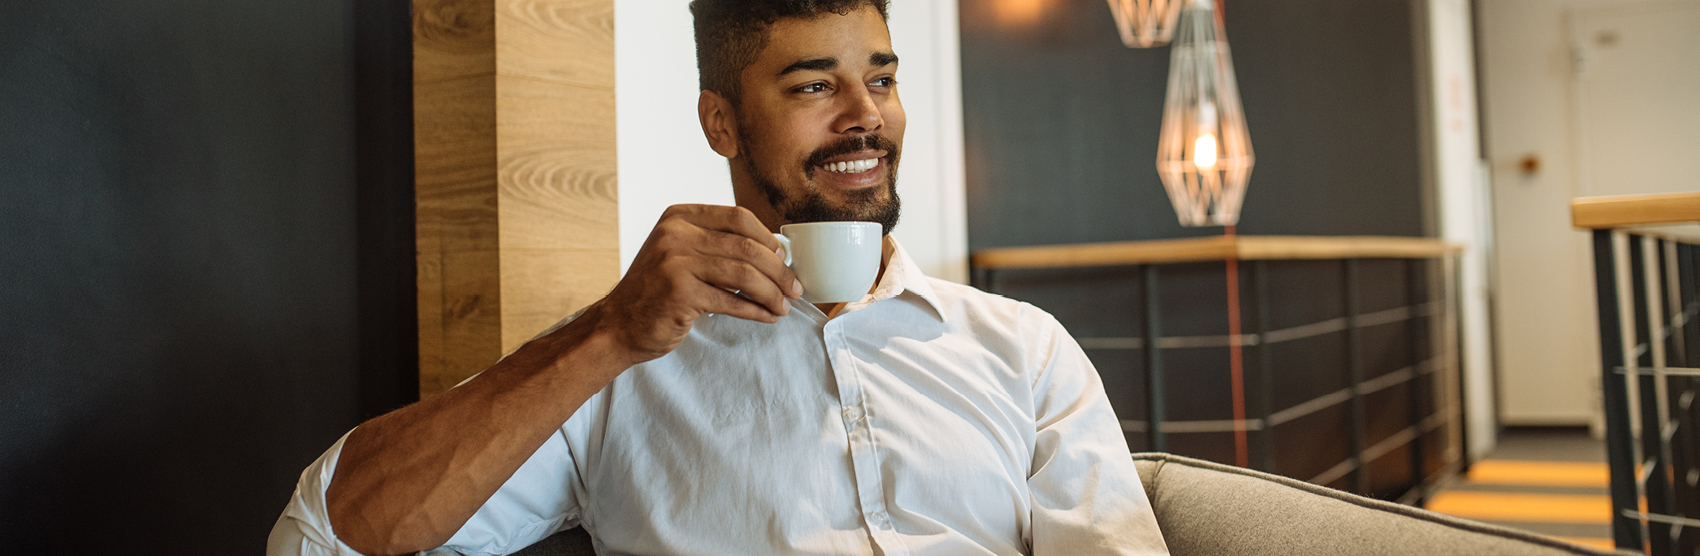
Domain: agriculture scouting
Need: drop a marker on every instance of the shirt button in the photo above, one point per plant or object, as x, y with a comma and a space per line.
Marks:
879, 519
853, 414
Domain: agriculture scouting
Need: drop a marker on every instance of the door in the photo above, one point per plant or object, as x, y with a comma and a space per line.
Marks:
1628, 115
1638, 98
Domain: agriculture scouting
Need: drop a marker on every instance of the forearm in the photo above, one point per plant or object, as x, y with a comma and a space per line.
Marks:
408, 480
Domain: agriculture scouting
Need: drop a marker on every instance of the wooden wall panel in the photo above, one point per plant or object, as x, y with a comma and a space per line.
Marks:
517, 196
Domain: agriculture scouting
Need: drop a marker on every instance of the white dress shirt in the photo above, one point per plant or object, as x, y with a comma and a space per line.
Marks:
927, 418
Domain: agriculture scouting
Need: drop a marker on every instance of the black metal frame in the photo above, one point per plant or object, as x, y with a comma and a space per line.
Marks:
1429, 357
1652, 439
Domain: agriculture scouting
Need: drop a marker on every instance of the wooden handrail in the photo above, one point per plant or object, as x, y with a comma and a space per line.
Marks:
1634, 210
1213, 248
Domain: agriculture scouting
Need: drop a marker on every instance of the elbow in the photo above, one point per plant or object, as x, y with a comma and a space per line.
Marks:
370, 529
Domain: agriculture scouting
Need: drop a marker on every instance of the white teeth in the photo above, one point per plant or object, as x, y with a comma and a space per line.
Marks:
852, 167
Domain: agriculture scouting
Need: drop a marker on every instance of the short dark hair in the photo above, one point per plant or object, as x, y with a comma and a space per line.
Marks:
732, 33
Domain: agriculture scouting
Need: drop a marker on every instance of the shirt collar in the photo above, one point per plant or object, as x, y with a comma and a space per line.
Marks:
902, 274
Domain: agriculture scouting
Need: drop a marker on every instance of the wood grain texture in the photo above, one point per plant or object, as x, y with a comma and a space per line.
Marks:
516, 187
561, 41
455, 189
1210, 249
1630, 210
558, 192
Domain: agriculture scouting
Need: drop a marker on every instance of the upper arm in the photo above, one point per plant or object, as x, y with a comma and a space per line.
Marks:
1086, 495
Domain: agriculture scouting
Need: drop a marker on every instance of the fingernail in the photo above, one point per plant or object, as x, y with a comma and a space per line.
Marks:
797, 289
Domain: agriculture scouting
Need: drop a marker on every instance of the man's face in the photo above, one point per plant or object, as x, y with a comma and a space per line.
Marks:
820, 126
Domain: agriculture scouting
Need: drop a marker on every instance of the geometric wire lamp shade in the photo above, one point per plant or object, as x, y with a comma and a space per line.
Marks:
1145, 23
1204, 152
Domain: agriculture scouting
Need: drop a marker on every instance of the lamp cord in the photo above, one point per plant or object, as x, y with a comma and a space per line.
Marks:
1236, 361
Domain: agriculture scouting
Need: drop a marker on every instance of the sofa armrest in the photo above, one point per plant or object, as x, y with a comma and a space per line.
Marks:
1206, 508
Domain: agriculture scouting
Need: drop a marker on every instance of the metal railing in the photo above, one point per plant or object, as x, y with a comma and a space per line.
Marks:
1646, 263
1431, 375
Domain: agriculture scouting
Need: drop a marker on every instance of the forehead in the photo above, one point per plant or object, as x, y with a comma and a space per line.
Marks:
851, 39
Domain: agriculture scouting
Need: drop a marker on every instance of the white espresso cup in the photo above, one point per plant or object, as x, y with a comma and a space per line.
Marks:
836, 261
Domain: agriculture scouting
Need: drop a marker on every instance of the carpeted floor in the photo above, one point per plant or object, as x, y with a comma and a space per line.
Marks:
1550, 481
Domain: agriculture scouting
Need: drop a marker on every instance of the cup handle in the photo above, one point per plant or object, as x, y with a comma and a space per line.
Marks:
784, 245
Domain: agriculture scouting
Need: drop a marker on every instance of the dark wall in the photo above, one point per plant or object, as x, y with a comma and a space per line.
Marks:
205, 214
1062, 122
1061, 126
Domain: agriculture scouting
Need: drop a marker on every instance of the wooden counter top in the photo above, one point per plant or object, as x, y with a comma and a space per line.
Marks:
1634, 210
1213, 248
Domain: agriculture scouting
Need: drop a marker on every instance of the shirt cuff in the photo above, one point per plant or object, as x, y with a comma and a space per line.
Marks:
304, 529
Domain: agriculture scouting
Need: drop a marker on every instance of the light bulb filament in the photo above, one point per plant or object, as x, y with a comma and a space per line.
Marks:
1204, 151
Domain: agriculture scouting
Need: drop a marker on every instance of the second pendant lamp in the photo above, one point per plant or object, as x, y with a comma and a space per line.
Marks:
1204, 152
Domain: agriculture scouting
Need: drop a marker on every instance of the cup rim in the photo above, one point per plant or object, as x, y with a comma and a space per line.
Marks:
834, 223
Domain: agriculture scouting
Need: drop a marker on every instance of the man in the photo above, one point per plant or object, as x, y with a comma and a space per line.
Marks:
675, 416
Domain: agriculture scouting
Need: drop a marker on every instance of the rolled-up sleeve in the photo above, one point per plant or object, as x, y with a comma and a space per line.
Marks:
304, 529
540, 499
1086, 493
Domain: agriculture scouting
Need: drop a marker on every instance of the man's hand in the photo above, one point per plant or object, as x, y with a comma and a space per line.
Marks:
407, 480
693, 261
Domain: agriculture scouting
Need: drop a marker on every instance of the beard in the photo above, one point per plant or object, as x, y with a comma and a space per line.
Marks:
809, 205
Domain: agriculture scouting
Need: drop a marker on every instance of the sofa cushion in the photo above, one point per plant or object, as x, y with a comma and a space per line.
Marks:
1206, 508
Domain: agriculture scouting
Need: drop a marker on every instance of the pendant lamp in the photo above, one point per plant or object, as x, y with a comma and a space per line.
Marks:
1146, 23
1204, 152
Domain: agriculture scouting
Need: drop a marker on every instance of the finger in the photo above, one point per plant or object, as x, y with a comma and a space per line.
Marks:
740, 248
733, 220
739, 276
719, 301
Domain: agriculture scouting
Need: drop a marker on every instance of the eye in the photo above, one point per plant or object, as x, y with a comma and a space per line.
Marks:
886, 82
811, 88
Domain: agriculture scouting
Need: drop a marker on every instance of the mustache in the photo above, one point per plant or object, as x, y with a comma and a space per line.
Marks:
849, 145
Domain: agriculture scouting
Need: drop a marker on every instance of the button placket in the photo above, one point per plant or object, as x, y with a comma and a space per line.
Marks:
863, 460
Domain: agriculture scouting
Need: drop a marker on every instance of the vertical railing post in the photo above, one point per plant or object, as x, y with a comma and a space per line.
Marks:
1355, 369
981, 278
1263, 451
1669, 266
1688, 451
1420, 355
1660, 482
1617, 344
1153, 363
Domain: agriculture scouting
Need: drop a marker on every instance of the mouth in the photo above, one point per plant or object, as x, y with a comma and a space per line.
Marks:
851, 166
855, 169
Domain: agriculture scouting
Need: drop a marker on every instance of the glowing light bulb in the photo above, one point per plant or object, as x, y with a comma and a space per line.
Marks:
1204, 151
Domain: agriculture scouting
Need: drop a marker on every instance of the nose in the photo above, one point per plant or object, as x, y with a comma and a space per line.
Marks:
858, 112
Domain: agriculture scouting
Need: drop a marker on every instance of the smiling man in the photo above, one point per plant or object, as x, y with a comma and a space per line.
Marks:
677, 417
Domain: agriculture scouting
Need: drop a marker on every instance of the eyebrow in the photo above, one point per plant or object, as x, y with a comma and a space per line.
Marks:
811, 64
877, 59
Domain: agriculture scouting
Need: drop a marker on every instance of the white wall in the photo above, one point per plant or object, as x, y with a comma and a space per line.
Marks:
1463, 203
664, 160
1546, 328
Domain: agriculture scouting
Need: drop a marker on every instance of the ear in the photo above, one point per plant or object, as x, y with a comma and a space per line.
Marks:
719, 123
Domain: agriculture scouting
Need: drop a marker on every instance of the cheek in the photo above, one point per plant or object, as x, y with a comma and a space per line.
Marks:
894, 121
774, 143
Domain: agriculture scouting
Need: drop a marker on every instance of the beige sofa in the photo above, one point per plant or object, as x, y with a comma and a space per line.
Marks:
1209, 509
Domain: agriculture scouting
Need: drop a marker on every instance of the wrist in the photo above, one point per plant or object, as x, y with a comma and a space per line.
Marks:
592, 341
